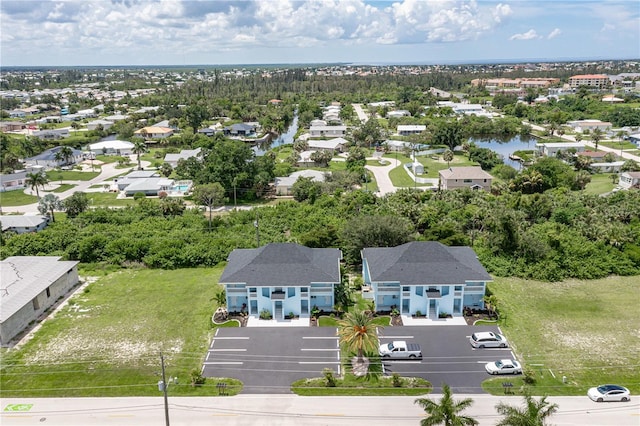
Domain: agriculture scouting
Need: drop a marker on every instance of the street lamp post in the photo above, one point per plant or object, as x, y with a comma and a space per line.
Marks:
163, 386
257, 225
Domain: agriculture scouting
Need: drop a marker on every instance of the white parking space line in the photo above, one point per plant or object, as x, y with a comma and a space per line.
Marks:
227, 350
224, 363
396, 337
231, 338
318, 362
320, 337
319, 350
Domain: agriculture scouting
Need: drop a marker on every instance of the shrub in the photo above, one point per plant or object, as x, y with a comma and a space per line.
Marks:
265, 314
396, 380
528, 376
330, 380
418, 313
139, 195
197, 379
162, 195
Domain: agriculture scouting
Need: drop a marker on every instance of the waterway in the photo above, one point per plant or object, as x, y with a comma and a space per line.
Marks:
283, 139
507, 146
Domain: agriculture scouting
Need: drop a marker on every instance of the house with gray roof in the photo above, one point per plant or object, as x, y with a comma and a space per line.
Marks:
172, 159
281, 278
29, 286
21, 224
332, 145
465, 177
284, 185
13, 181
426, 277
48, 158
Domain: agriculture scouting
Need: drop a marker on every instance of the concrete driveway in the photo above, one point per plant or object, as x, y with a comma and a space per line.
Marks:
269, 359
448, 357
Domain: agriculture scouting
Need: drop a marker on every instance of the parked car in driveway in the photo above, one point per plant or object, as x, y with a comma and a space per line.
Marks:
488, 339
607, 393
504, 366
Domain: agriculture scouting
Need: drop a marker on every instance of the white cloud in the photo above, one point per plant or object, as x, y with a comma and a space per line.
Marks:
554, 33
529, 35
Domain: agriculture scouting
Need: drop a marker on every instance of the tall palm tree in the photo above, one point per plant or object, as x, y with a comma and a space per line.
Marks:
35, 180
596, 137
446, 411
139, 147
358, 332
67, 154
534, 413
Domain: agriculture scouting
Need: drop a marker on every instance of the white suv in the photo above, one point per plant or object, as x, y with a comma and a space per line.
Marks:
488, 339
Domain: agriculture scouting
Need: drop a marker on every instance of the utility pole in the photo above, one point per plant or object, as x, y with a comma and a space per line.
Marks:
164, 389
256, 224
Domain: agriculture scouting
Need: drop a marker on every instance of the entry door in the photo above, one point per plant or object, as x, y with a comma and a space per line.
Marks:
433, 308
278, 311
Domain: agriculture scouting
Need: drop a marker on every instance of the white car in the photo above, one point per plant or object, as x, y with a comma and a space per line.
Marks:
504, 366
488, 339
606, 393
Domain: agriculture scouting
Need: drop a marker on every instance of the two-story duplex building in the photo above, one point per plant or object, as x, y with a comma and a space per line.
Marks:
281, 278
424, 277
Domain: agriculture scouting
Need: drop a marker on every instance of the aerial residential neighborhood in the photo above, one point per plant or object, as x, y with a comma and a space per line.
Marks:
333, 213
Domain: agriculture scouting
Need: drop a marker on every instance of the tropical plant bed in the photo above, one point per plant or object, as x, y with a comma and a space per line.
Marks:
473, 315
352, 386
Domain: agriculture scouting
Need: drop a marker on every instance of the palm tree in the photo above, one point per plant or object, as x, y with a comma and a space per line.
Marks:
34, 180
445, 412
447, 156
358, 332
67, 154
596, 137
534, 413
48, 204
139, 147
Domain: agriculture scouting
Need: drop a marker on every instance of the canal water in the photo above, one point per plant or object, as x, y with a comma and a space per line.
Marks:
507, 146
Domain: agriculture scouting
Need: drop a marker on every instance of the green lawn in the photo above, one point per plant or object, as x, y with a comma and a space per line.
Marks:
618, 145
16, 198
586, 331
107, 340
58, 175
600, 183
106, 199
400, 178
63, 187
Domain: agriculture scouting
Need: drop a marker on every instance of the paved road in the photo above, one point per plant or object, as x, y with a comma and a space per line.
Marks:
285, 410
381, 173
360, 112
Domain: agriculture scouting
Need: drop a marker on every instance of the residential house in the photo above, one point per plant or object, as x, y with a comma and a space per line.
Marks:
240, 130
550, 149
424, 277
21, 224
284, 185
173, 159
48, 159
328, 131
11, 126
51, 134
465, 177
629, 180
410, 129
281, 278
332, 145
128, 179
114, 147
30, 285
95, 124
399, 113
635, 139
13, 181
590, 125
153, 132
595, 156
150, 187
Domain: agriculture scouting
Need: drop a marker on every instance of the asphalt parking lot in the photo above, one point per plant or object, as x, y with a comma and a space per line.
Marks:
447, 356
269, 359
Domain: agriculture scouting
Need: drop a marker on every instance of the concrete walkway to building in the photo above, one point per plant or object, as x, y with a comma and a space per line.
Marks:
381, 173
408, 320
297, 322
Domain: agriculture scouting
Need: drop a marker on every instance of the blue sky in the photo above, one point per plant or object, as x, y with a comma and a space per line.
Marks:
210, 32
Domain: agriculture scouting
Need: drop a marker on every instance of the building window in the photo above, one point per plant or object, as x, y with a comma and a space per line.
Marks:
48, 292
265, 292
291, 291
458, 288
445, 290
36, 304
406, 289
419, 290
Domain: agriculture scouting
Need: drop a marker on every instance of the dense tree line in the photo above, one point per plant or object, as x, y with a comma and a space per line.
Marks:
548, 236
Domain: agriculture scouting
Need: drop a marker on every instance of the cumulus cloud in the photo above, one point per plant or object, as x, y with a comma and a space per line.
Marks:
554, 33
529, 35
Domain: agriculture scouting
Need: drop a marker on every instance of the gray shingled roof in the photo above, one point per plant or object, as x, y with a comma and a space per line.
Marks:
20, 221
24, 277
282, 264
424, 262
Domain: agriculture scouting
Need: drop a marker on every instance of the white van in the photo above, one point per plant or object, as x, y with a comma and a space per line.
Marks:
488, 339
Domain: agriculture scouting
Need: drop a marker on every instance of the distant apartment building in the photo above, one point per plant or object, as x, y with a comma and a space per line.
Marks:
590, 80
514, 83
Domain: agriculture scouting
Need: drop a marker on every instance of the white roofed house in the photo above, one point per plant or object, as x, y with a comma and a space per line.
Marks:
149, 186
411, 129
172, 159
590, 125
284, 185
30, 285
327, 131
335, 144
95, 124
550, 149
629, 180
465, 177
13, 181
48, 158
21, 224
114, 147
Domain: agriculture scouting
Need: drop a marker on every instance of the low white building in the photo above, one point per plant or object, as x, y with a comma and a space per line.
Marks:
589, 125
114, 147
172, 159
30, 285
411, 129
629, 180
95, 124
550, 149
327, 131
284, 185
335, 144
21, 224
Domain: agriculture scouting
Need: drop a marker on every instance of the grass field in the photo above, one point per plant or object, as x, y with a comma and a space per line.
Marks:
106, 199
107, 340
58, 175
587, 331
16, 198
600, 184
